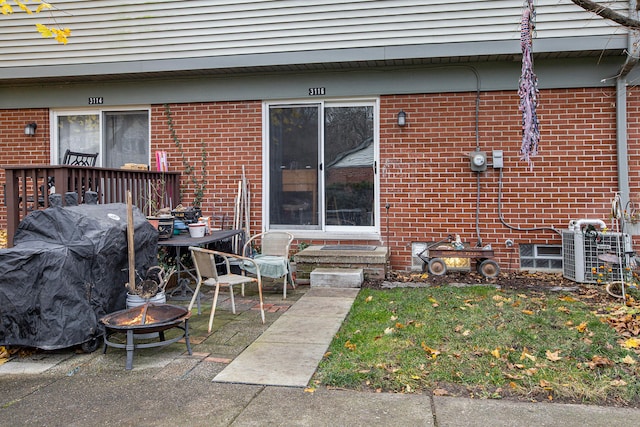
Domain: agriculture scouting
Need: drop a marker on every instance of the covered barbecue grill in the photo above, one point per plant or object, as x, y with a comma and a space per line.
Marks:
68, 269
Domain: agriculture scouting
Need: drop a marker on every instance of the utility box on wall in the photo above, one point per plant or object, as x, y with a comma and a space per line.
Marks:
478, 161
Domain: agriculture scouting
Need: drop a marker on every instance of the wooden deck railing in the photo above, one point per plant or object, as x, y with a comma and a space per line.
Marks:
27, 188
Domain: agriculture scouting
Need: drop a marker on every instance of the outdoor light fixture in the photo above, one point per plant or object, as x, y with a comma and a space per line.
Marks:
402, 118
30, 129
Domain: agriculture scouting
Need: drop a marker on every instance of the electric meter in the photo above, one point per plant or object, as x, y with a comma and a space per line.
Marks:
478, 161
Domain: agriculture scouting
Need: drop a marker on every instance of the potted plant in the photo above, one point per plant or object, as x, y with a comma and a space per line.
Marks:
160, 217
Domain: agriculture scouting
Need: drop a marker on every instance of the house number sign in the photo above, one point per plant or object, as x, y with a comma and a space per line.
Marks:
316, 91
96, 100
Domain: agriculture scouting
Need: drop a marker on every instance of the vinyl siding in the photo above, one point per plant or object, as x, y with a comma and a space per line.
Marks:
112, 31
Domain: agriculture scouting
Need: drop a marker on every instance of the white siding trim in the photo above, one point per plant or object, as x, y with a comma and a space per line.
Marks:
112, 31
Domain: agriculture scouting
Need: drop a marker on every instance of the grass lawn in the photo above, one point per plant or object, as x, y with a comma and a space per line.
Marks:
483, 342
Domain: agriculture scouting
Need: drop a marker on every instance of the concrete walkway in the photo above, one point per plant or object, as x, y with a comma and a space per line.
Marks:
288, 353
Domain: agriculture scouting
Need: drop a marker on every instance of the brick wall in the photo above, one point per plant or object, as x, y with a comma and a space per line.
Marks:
425, 174
231, 132
424, 168
18, 149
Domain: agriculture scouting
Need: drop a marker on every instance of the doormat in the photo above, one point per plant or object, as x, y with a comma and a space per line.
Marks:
348, 248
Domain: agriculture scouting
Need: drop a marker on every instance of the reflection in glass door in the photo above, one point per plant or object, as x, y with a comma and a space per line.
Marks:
349, 165
321, 166
293, 166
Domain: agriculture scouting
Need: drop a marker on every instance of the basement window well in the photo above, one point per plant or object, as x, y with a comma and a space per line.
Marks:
541, 257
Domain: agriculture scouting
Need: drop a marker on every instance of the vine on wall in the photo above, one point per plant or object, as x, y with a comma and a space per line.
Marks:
200, 182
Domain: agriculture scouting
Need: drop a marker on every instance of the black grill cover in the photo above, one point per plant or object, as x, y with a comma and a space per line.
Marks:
67, 269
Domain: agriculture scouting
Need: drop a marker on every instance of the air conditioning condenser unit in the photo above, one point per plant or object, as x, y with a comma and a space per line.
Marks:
580, 251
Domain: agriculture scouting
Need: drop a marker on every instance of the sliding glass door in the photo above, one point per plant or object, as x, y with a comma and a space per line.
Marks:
321, 165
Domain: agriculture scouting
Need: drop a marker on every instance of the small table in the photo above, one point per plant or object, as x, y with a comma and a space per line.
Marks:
183, 290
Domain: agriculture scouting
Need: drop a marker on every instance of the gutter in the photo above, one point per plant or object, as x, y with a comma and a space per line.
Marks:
633, 49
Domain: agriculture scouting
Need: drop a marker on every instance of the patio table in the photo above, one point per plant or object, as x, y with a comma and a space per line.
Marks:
183, 290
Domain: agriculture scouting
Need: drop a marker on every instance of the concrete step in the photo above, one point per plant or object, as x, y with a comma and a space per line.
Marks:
337, 277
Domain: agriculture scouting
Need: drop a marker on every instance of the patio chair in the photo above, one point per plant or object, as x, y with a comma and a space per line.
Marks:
204, 261
273, 256
74, 158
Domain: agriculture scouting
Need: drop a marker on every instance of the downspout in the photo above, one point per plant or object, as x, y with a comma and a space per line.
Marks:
621, 107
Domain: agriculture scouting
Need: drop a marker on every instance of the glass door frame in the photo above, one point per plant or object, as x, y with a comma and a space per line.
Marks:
324, 230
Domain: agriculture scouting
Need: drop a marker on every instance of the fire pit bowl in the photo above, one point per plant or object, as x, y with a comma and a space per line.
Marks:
145, 319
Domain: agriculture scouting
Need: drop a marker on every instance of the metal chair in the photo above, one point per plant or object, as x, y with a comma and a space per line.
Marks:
273, 256
204, 261
74, 158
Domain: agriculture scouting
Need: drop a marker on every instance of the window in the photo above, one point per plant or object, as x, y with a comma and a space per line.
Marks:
118, 136
320, 165
541, 257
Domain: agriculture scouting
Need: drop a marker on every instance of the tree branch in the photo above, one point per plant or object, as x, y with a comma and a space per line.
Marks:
607, 13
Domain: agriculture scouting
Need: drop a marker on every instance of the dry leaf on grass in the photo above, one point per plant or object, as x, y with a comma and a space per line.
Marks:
599, 362
553, 355
632, 343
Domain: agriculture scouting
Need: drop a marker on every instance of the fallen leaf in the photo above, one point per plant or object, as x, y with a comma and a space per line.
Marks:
545, 384
525, 354
388, 331
632, 343
618, 383
599, 362
440, 392
564, 310
628, 360
567, 298
581, 327
349, 345
433, 352
309, 390
496, 353
529, 312
553, 356
369, 298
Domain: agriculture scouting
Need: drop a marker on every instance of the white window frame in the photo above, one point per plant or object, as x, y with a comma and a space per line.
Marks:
58, 112
331, 231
